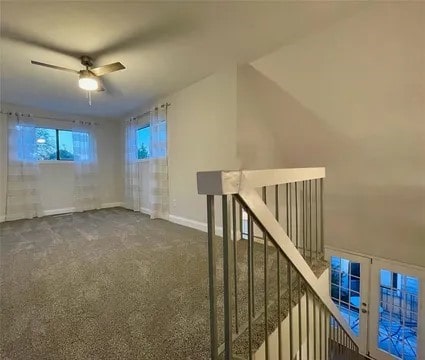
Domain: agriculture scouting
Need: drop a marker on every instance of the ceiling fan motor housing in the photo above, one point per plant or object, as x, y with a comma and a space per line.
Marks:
86, 61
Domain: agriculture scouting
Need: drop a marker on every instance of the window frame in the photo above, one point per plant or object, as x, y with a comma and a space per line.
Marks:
58, 159
57, 146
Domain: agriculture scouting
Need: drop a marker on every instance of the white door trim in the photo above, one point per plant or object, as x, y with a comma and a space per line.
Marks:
364, 291
410, 266
377, 265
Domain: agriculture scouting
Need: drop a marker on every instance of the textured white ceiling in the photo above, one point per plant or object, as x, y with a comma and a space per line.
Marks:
164, 45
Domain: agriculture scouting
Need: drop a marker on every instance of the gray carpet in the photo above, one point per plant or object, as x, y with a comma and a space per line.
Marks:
106, 284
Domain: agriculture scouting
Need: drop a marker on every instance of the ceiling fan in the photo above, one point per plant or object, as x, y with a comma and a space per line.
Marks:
89, 78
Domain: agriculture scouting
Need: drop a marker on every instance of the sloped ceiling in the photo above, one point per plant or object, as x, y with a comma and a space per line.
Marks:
164, 45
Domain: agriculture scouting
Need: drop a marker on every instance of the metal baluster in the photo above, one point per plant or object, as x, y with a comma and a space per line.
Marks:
279, 326
326, 334
340, 338
235, 273
336, 336
314, 327
252, 266
317, 224
266, 296
212, 276
291, 328
345, 339
309, 212
308, 321
322, 231
348, 346
304, 222
227, 259
321, 330
276, 205
296, 215
290, 212
266, 323
345, 342
264, 197
240, 221
250, 301
287, 209
299, 317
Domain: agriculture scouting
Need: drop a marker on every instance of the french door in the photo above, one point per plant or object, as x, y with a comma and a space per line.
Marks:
382, 303
349, 290
396, 312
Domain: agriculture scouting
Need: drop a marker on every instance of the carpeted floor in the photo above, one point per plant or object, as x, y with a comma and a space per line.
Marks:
106, 284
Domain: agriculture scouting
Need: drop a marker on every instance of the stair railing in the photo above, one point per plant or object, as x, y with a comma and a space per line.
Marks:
289, 231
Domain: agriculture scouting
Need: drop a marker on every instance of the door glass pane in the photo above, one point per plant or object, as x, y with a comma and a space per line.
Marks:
398, 314
345, 290
244, 224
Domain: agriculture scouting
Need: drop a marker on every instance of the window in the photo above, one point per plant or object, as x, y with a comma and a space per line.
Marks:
143, 142
144, 139
54, 144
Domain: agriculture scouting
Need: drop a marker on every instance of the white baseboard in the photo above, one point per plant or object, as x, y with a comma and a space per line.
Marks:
198, 225
190, 223
58, 211
194, 224
72, 209
111, 205
145, 211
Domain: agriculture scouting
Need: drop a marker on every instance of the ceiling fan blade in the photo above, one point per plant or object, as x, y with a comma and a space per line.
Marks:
54, 66
106, 69
34, 40
146, 36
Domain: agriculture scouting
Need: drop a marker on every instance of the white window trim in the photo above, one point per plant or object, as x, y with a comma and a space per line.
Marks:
54, 161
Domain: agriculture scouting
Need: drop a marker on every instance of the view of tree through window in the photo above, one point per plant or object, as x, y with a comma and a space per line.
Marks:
143, 142
54, 144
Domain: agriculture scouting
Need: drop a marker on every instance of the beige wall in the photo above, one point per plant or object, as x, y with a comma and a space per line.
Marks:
202, 136
351, 98
57, 178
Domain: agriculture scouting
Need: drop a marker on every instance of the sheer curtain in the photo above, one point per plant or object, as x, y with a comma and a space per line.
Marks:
147, 182
22, 193
86, 193
158, 165
132, 179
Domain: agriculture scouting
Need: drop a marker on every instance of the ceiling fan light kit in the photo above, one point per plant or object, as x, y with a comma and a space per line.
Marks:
88, 77
88, 81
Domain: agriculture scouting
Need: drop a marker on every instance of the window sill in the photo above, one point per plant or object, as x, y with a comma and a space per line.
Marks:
143, 160
55, 162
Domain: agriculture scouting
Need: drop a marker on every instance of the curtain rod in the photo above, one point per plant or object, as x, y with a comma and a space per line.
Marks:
162, 106
43, 117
